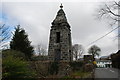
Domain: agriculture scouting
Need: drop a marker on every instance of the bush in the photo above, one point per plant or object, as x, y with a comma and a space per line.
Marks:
39, 58
76, 65
16, 54
88, 67
54, 67
15, 67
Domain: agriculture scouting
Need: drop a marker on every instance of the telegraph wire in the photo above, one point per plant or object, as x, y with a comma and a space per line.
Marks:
103, 36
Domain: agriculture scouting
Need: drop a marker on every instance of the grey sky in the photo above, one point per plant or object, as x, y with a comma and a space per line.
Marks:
36, 18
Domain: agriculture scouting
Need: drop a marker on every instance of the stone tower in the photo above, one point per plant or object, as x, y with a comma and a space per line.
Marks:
60, 39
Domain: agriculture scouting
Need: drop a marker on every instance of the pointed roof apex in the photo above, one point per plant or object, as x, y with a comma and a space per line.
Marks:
61, 6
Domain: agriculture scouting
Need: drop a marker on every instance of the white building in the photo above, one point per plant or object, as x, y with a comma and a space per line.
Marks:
104, 63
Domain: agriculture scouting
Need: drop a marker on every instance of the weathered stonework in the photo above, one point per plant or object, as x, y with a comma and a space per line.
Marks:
60, 39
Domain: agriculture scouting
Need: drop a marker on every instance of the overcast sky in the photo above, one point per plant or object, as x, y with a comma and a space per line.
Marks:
36, 17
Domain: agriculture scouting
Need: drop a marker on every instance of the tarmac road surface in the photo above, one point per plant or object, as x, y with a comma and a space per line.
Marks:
107, 74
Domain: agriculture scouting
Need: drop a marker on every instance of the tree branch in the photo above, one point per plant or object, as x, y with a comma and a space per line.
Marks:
117, 3
110, 11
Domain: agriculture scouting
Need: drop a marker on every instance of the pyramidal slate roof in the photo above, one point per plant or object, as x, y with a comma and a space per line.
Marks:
60, 18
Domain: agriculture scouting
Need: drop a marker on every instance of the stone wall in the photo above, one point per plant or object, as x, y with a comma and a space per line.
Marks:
42, 69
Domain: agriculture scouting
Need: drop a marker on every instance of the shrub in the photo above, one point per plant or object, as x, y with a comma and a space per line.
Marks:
54, 67
16, 54
15, 67
76, 65
88, 67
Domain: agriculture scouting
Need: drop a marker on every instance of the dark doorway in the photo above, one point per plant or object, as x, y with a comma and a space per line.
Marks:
57, 54
57, 37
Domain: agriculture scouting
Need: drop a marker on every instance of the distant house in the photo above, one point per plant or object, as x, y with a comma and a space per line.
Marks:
88, 58
105, 58
104, 63
116, 60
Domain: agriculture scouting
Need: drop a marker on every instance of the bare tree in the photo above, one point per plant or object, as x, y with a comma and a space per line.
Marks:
4, 34
78, 50
41, 50
110, 11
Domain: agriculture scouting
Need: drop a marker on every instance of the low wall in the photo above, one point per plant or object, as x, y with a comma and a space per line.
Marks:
42, 68
46, 69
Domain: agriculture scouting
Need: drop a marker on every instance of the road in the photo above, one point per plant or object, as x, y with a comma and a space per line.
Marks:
107, 74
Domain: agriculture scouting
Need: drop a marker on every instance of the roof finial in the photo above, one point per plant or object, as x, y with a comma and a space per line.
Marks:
61, 6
